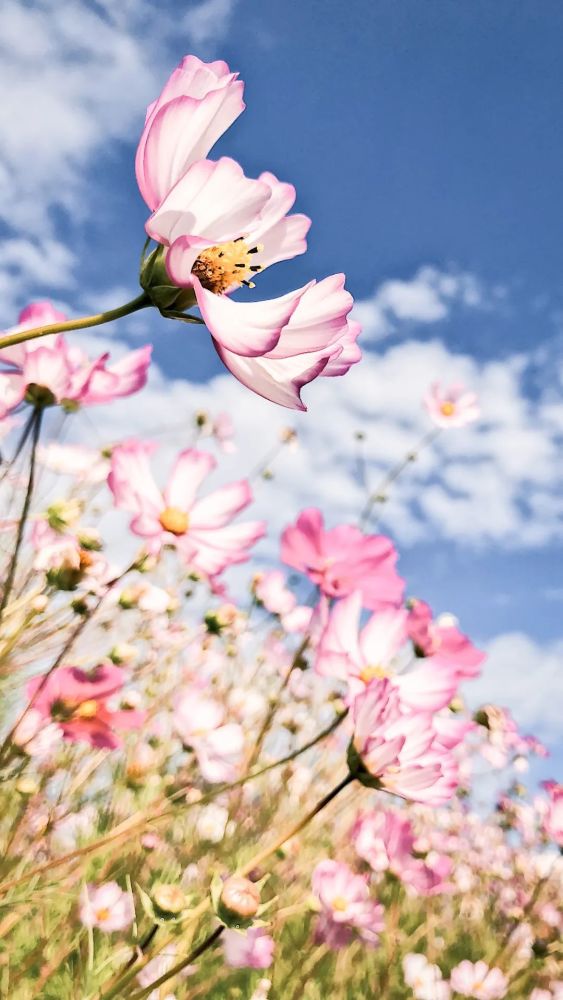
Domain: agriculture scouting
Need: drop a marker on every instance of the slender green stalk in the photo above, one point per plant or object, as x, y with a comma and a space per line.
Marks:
381, 493
25, 511
83, 323
254, 862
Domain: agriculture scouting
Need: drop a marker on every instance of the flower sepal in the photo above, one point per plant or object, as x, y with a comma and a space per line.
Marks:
358, 770
169, 299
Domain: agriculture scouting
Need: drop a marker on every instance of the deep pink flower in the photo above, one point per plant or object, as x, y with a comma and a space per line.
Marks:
53, 372
441, 641
379, 650
346, 904
200, 530
452, 407
250, 949
343, 560
106, 907
479, 981
401, 750
78, 701
198, 103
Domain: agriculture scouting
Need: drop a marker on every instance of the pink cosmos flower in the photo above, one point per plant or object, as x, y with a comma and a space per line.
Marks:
106, 907
346, 905
401, 750
199, 721
343, 560
200, 530
78, 701
424, 979
198, 103
223, 431
452, 407
478, 981
378, 651
85, 464
386, 841
250, 949
553, 820
50, 371
441, 641
219, 228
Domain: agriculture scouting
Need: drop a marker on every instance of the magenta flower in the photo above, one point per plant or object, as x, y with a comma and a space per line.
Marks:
200, 530
78, 701
402, 751
346, 905
106, 907
441, 641
220, 228
50, 371
199, 721
343, 560
379, 650
198, 103
250, 949
452, 407
479, 981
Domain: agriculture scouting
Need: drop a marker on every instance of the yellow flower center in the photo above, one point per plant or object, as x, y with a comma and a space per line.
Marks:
102, 914
372, 673
227, 266
340, 904
447, 408
174, 520
87, 709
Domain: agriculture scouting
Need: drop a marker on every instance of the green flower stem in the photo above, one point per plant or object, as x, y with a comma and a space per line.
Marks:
380, 495
254, 862
9, 583
136, 821
141, 302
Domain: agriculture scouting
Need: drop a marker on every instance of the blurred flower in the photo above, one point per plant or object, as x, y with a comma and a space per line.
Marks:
479, 981
87, 464
343, 560
453, 407
441, 641
403, 752
200, 530
211, 823
424, 979
78, 702
49, 372
250, 949
553, 820
346, 905
218, 747
106, 907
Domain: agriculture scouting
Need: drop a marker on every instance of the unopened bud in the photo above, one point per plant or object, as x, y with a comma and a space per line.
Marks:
240, 898
39, 604
169, 899
27, 786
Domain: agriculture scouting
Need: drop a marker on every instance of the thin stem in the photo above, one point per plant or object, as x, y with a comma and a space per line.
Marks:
83, 323
254, 862
25, 511
380, 494
270, 715
136, 821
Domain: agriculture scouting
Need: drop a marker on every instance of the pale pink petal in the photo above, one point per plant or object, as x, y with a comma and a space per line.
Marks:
189, 471
248, 329
218, 508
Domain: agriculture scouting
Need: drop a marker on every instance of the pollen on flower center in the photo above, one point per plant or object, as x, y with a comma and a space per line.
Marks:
174, 520
339, 904
102, 914
87, 709
447, 408
373, 672
227, 266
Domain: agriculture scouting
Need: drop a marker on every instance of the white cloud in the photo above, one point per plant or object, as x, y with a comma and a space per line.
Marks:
209, 20
428, 297
495, 482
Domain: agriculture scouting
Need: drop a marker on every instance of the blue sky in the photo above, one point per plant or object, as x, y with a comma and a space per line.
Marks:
424, 139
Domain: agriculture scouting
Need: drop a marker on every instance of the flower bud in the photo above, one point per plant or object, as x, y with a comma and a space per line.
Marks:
168, 899
27, 786
239, 898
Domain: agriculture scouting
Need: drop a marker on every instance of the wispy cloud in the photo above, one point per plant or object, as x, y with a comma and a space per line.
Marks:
428, 297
